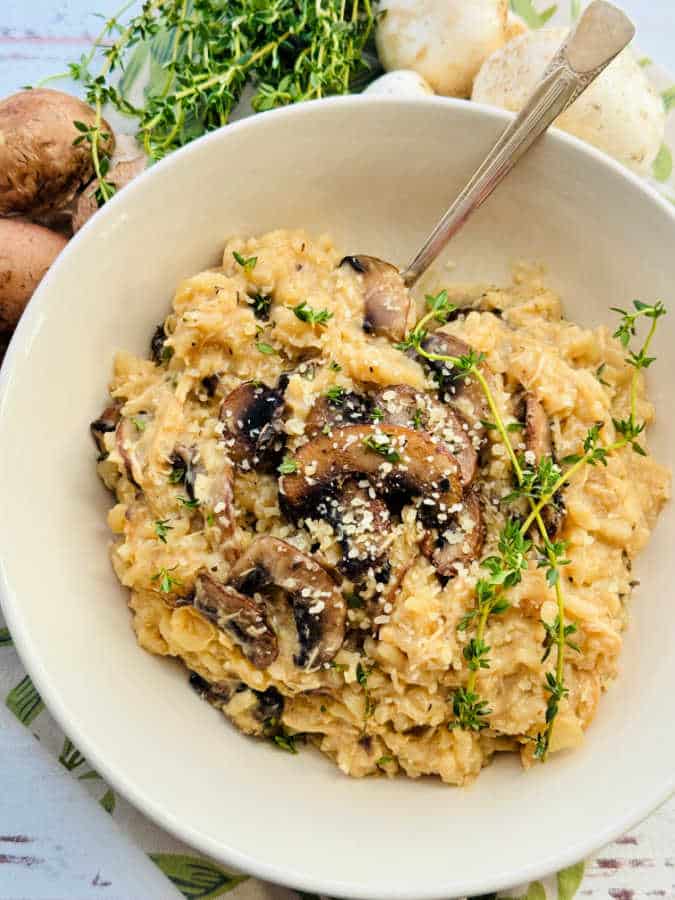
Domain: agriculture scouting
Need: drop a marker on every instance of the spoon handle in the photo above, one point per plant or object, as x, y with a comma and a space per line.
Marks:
600, 34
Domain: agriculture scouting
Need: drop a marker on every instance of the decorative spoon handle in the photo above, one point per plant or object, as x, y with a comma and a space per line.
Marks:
600, 34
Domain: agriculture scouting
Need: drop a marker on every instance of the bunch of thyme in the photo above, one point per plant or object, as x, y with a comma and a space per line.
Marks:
201, 55
539, 484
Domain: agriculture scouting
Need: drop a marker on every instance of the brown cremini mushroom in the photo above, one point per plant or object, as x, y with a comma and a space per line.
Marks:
126, 163
243, 617
400, 404
318, 607
41, 168
460, 391
326, 414
252, 415
396, 459
27, 250
106, 422
362, 525
386, 298
260, 712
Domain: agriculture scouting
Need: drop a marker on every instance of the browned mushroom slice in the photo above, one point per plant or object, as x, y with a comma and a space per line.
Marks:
386, 298
318, 607
328, 413
252, 416
361, 524
261, 717
537, 428
462, 392
105, 423
396, 459
539, 442
400, 404
460, 541
241, 616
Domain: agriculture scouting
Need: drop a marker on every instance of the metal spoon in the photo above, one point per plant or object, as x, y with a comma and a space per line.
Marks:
600, 34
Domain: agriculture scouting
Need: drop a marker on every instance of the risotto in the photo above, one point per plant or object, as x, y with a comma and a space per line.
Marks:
303, 506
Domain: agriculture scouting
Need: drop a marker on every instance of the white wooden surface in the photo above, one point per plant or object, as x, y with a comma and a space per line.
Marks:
55, 841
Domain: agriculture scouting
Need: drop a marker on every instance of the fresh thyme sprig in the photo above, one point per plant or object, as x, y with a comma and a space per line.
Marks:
312, 316
204, 52
539, 484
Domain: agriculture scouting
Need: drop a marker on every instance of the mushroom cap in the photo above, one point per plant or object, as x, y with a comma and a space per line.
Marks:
402, 405
252, 415
415, 465
401, 83
40, 167
362, 525
318, 607
244, 618
386, 299
27, 250
620, 113
127, 162
350, 409
445, 41
462, 392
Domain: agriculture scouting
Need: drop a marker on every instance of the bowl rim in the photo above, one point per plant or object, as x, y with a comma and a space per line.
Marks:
29, 654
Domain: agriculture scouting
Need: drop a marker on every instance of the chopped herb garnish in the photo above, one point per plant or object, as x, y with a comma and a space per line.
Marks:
261, 304
285, 742
288, 466
187, 503
336, 394
384, 761
267, 349
210, 519
376, 414
162, 528
166, 581
383, 447
313, 316
335, 366
418, 419
354, 601
140, 424
598, 374
247, 264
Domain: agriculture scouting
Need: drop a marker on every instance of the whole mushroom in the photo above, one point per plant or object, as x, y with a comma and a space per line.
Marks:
27, 250
127, 162
620, 113
41, 168
445, 41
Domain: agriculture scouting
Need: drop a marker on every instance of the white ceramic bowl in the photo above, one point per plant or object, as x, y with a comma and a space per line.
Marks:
376, 174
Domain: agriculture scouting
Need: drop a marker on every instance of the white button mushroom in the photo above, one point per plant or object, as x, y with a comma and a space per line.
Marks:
620, 113
402, 83
445, 41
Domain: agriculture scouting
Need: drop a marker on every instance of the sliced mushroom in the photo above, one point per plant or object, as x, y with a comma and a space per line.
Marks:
400, 404
386, 298
395, 459
105, 423
462, 392
362, 525
241, 616
157, 352
326, 414
254, 712
539, 441
318, 607
183, 463
252, 416
460, 541
537, 428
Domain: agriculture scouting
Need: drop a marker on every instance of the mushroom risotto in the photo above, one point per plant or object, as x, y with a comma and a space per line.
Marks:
318, 513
